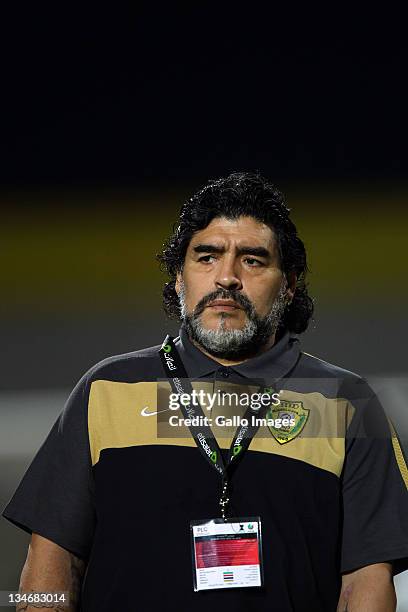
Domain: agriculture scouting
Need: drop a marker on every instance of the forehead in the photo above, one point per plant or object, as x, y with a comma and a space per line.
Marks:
244, 230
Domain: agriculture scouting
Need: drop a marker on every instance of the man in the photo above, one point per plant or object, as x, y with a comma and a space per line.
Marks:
113, 494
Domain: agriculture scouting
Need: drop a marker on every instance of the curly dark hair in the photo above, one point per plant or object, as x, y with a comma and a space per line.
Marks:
240, 194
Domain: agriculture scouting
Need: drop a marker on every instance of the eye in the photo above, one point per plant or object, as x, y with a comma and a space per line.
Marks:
206, 258
253, 263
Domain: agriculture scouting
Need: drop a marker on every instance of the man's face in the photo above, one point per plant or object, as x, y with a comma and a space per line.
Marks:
232, 280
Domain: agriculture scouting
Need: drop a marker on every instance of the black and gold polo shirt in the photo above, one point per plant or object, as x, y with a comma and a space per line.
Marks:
331, 490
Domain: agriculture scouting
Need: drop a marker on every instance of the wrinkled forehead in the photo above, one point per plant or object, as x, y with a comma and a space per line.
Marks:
230, 233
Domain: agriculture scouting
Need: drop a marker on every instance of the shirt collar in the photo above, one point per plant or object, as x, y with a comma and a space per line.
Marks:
270, 365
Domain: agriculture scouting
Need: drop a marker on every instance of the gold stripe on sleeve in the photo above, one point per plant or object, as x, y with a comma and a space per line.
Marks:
399, 454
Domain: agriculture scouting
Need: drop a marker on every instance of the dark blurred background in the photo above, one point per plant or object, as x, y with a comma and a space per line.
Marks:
112, 117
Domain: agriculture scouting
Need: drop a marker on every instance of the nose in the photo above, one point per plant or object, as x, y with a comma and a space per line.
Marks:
227, 276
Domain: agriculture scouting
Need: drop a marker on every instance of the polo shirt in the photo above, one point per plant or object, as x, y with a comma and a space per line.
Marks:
107, 486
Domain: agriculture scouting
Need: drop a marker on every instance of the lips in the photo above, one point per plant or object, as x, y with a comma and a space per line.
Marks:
227, 304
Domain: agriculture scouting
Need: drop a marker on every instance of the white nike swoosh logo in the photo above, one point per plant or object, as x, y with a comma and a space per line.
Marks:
144, 411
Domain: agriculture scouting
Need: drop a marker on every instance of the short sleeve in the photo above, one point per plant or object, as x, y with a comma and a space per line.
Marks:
55, 498
374, 488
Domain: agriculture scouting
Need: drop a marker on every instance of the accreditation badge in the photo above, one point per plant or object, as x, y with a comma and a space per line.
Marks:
226, 554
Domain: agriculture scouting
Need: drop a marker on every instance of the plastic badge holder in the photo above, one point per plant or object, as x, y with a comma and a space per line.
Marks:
228, 554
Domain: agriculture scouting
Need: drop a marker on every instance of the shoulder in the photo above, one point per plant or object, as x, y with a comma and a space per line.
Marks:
143, 364
350, 384
115, 372
313, 365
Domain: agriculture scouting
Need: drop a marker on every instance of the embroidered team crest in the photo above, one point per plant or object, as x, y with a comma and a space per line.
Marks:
288, 410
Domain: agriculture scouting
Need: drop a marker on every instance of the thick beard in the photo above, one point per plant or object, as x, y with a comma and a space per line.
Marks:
233, 343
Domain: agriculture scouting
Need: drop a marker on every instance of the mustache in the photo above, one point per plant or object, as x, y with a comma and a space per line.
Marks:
225, 294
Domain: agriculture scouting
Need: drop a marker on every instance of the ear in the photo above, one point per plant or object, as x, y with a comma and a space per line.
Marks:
290, 292
178, 282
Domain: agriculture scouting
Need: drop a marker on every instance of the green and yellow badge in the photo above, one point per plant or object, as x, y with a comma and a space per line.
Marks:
292, 411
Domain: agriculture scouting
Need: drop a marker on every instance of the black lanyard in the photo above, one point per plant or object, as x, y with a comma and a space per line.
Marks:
202, 434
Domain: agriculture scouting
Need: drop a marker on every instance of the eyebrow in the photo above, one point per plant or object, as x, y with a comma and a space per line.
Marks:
243, 250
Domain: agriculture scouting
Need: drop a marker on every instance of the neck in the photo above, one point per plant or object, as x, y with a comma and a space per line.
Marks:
228, 362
